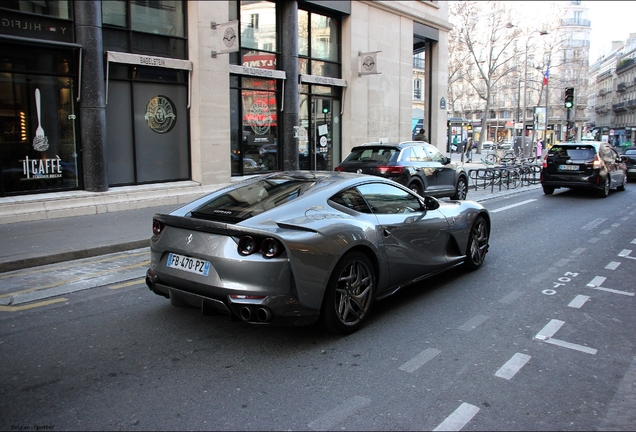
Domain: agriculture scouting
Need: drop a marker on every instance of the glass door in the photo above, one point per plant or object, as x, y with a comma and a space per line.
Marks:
319, 141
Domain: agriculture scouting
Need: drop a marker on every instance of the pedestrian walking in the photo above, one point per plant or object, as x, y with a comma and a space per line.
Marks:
421, 135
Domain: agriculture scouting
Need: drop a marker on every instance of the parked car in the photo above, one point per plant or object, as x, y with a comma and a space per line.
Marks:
629, 159
488, 145
587, 165
297, 247
419, 166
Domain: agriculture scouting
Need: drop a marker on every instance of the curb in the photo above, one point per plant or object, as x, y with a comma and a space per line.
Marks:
72, 255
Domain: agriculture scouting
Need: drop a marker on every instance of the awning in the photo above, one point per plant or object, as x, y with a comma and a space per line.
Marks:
146, 60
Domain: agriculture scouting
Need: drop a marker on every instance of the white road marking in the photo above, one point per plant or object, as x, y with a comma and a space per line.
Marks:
550, 329
596, 282
634, 241
333, 417
473, 323
571, 346
545, 335
610, 290
625, 254
511, 297
593, 240
512, 206
513, 366
578, 251
605, 231
419, 360
458, 419
612, 265
578, 301
615, 225
594, 223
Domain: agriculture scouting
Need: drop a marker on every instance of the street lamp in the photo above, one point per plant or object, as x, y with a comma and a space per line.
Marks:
525, 82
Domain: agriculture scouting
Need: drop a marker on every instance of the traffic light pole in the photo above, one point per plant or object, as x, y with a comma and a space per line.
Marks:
567, 125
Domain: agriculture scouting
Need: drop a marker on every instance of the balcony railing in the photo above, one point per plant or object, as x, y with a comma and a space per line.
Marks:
624, 64
619, 107
631, 104
621, 87
575, 22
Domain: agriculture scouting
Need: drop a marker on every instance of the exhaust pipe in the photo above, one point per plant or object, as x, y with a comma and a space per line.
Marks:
264, 315
246, 313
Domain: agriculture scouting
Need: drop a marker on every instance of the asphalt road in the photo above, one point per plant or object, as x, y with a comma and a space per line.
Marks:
540, 338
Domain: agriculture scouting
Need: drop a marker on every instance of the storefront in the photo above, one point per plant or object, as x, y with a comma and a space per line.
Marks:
39, 92
256, 91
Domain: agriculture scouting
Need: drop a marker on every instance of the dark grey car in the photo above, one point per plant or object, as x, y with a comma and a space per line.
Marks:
588, 165
290, 248
419, 166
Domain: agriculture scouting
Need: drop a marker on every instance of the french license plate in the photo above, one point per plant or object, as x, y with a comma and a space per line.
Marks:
188, 264
631, 170
568, 167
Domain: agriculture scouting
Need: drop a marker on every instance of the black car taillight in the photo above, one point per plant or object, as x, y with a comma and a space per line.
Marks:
157, 227
338, 168
268, 246
390, 169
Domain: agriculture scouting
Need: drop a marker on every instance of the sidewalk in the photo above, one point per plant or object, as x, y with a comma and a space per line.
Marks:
120, 221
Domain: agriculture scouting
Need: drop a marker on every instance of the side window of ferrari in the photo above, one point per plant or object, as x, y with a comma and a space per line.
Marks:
388, 199
352, 199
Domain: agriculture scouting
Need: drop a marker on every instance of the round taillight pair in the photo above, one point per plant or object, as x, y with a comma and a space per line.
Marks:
269, 247
157, 227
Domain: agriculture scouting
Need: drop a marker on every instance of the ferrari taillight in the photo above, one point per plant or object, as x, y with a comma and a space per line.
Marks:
157, 227
268, 246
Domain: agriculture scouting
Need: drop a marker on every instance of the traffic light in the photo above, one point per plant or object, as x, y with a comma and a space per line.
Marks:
326, 106
569, 97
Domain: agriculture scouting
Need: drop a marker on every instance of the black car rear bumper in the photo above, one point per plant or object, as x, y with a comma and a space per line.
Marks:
593, 181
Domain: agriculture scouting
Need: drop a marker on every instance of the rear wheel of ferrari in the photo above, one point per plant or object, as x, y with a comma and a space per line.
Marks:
349, 295
477, 244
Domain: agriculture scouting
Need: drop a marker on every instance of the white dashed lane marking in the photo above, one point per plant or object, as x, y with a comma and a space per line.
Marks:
458, 419
578, 301
513, 366
420, 360
348, 407
473, 323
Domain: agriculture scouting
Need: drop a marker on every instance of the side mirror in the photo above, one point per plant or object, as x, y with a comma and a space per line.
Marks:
431, 203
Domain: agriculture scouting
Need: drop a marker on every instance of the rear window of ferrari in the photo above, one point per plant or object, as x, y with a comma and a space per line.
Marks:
244, 202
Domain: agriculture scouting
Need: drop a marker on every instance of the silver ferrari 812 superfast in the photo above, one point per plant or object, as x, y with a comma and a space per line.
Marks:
296, 247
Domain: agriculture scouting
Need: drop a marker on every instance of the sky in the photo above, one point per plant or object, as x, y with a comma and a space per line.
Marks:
610, 21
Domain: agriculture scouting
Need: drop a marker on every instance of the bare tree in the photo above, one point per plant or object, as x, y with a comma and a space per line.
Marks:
482, 29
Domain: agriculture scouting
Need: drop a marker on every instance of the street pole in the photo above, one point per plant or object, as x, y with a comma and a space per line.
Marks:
525, 102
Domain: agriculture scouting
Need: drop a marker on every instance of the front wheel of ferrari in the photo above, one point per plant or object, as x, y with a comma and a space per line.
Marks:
349, 295
477, 244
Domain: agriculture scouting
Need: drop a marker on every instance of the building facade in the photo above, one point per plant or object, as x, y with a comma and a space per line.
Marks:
96, 95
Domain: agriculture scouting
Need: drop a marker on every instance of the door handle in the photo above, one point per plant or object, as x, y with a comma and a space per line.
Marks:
386, 232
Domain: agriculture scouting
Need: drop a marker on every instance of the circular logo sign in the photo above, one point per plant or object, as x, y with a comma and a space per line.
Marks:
161, 114
229, 37
368, 63
260, 118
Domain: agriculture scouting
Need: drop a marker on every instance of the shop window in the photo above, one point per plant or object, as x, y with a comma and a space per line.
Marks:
54, 9
258, 25
145, 27
318, 44
254, 126
38, 124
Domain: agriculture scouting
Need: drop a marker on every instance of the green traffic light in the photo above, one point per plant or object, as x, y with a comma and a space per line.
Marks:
568, 104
